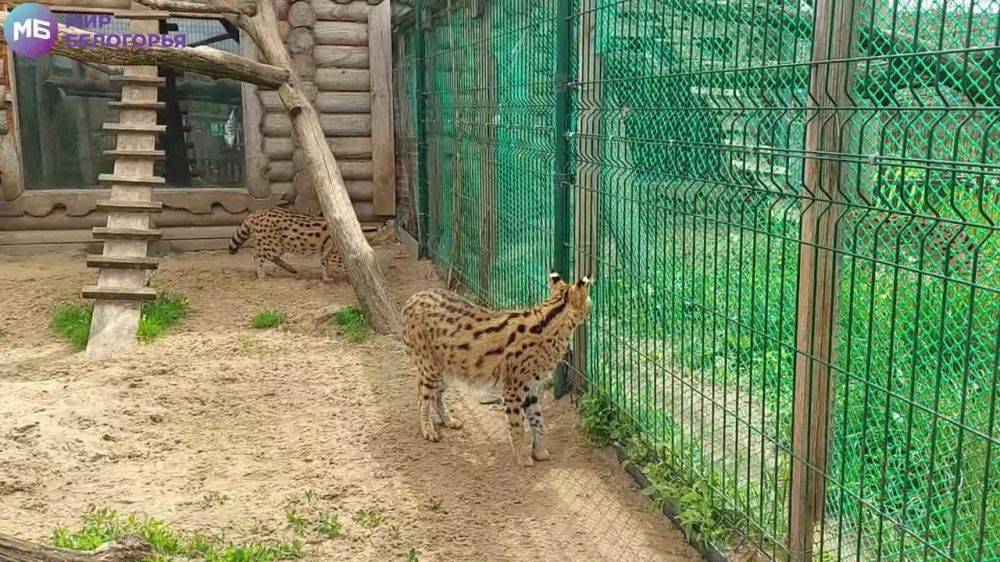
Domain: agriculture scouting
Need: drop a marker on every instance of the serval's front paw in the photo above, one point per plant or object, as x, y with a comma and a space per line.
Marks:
541, 454
453, 423
430, 433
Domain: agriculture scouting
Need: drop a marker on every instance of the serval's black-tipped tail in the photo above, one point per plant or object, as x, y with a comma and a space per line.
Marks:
240, 238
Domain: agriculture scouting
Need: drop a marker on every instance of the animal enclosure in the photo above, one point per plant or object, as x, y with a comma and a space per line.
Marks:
791, 210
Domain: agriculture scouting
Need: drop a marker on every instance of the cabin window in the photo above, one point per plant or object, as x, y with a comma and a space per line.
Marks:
63, 103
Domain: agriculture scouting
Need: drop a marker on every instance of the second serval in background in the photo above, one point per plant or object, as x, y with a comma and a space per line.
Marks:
448, 336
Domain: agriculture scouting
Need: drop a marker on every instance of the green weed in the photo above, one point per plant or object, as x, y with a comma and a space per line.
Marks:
411, 555
268, 319
101, 526
160, 314
72, 321
352, 323
295, 521
329, 526
368, 517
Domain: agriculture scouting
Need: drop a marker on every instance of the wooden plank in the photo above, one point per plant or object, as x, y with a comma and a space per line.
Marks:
120, 293
342, 80
143, 154
151, 105
325, 102
331, 10
586, 192
341, 33
383, 133
130, 206
130, 180
122, 233
818, 287
133, 128
255, 155
133, 79
136, 262
340, 56
346, 125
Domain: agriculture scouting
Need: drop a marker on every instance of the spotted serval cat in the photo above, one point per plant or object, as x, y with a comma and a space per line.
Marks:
448, 336
278, 231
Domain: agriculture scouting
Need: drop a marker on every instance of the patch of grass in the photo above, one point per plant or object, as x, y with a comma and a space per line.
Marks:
411, 555
104, 525
295, 521
329, 526
700, 517
352, 323
72, 321
368, 517
161, 314
268, 319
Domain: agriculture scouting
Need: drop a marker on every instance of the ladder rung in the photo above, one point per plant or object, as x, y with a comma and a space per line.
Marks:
105, 233
152, 105
134, 15
139, 262
134, 128
133, 180
139, 80
120, 293
130, 206
144, 154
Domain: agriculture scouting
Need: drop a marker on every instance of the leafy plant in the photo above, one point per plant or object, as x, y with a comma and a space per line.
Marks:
268, 319
368, 517
411, 555
101, 526
160, 314
295, 521
352, 323
72, 321
329, 526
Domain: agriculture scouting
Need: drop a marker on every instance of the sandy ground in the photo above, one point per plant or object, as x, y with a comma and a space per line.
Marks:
216, 425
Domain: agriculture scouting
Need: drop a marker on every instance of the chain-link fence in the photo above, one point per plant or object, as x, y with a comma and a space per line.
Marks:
791, 210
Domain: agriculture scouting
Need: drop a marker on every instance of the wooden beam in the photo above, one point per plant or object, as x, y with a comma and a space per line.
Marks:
818, 286
383, 141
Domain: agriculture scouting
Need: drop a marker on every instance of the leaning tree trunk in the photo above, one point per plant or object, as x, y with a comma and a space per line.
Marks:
363, 269
126, 549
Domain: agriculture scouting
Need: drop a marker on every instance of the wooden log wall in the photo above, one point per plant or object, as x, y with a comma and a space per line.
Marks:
342, 51
347, 67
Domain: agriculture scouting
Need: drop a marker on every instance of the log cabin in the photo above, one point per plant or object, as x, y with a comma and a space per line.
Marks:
222, 147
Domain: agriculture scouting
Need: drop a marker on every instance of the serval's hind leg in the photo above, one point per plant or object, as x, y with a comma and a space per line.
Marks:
427, 391
444, 415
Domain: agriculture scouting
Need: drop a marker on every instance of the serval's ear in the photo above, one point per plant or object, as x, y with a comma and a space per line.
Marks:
554, 278
585, 282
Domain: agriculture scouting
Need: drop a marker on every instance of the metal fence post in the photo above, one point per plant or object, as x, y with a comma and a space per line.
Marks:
818, 275
561, 176
420, 124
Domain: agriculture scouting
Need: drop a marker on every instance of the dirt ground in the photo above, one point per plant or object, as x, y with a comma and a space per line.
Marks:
215, 425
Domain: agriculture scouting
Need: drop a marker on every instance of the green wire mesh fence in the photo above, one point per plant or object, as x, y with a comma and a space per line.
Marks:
791, 209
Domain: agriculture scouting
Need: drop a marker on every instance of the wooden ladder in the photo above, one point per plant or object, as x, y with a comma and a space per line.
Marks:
122, 267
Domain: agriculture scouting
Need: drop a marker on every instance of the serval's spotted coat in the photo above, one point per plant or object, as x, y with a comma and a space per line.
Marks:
278, 231
514, 349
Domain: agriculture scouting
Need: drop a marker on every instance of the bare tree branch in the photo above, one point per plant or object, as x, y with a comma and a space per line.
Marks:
238, 7
203, 60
